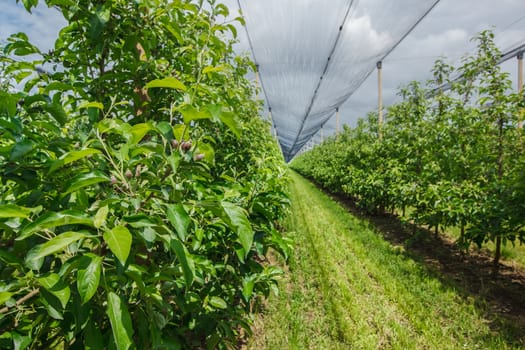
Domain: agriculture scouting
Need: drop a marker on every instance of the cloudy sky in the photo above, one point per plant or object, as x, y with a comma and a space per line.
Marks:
292, 40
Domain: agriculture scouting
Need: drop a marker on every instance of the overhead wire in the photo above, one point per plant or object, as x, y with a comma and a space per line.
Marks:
341, 27
382, 58
505, 56
250, 43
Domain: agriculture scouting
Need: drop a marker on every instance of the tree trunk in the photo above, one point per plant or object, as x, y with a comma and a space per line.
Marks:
497, 256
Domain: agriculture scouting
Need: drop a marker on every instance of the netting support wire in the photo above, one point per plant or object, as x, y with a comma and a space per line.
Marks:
327, 65
258, 75
507, 55
369, 72
379, 66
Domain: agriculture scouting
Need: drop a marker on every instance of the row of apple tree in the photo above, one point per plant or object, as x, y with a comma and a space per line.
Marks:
139, 189
444, 157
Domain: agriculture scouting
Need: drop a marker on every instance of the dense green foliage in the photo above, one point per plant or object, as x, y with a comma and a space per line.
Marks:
454, 158
350, 288
139, 188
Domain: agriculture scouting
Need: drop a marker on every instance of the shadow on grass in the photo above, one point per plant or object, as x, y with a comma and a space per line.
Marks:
500, 299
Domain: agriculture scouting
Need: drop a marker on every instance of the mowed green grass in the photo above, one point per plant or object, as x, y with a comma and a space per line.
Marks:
347, 288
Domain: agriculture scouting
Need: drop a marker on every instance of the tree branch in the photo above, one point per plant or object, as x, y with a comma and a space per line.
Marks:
21, 300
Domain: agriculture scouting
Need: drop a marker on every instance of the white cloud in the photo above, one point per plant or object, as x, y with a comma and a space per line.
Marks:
363, 38
41, 26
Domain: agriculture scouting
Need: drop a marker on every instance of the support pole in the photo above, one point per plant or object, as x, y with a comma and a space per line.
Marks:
272, 127
520, 79
322, 134
337, 121
520, 71
257, 80
379, 66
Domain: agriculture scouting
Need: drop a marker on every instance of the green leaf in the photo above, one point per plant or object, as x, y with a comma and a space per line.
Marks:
175, 31
101, 216
119, 242
21, 75
57, 86
140, 220
88, 278
114, 125
248, 283
57, 112
97, 21
71, 157
215, 111
218, 303
14, 211
179, 219
52, 304
164, 128
53, 284
21, 149
138, 131
8, 104
184, 257
97, 105
52, 219
55, 244
84, 180
211, 69
170, 82
207, 150
5, 296
174, 161
92, 337
232, 123
181, 132
9, 258
19, 43
21, 342
239, 222
120, 322
29, 4
190, 113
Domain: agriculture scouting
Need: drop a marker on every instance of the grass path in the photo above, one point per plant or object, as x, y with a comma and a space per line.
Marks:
347, 288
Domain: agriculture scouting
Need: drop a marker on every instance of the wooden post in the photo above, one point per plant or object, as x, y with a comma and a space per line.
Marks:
379, 66
273, 131
337, 121
520, 71
520, 79
257, 80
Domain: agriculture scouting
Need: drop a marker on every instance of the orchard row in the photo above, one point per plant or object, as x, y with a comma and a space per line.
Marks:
140, 191
444, 158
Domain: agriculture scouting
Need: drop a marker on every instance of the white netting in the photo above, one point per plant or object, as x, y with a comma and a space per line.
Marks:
292, 42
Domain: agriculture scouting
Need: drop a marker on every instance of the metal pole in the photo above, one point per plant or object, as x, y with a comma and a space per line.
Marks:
379, 66
322, 136
520, 79
337, 121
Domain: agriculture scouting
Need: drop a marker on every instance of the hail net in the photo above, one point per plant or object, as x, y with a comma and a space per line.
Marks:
313, 54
